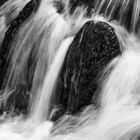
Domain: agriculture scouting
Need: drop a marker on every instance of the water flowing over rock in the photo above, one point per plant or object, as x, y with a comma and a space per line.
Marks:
2, 2
69, 69
20, 96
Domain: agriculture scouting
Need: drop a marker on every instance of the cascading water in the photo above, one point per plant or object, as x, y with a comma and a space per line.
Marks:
37, 54
49, 84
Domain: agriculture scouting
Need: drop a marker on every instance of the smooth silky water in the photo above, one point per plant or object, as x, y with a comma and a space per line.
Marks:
51, 34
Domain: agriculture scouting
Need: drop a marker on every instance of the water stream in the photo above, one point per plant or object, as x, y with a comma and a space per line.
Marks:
47, 35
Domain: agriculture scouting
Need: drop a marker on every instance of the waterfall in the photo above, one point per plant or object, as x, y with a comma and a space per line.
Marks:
42, 103
36, 55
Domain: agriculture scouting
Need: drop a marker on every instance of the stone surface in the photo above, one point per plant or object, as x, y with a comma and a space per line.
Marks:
92, 49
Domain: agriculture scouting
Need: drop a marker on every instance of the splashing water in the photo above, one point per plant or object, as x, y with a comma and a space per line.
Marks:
48, 35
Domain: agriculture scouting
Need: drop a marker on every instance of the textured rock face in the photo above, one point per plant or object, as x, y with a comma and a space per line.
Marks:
91, 50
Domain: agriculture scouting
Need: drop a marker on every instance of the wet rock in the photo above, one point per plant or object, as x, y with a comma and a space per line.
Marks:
18, 100
19, 97
10, 34
92, 49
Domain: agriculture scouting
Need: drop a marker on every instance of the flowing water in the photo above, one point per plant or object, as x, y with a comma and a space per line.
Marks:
48, 34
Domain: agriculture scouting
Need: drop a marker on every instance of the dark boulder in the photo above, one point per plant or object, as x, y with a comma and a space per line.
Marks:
92, 49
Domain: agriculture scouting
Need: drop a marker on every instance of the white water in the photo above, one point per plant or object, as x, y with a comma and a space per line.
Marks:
40, 113
49, 33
